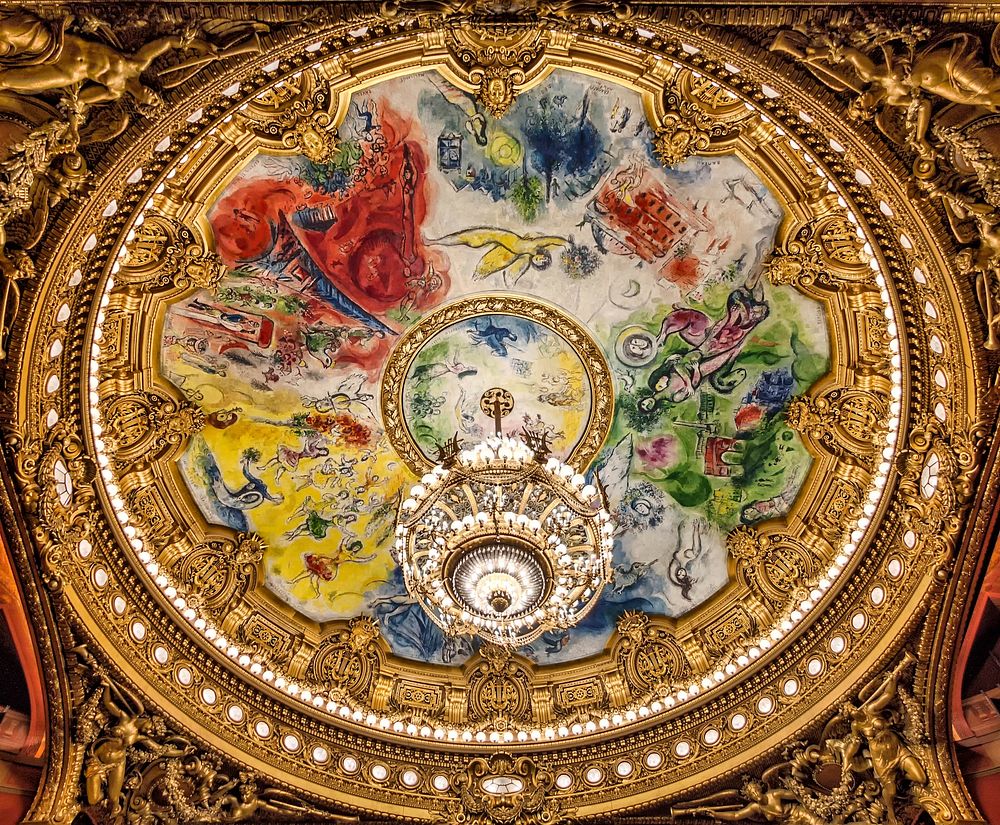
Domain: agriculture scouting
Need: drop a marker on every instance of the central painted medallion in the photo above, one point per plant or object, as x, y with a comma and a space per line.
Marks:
436, 375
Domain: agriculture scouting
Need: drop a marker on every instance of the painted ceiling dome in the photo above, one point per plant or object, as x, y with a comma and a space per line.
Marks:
563, 208
289, 308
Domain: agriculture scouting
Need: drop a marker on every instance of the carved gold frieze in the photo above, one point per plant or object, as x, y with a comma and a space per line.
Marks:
497, 62
698, 116
166, 255
80, 549
296, 116
503, 789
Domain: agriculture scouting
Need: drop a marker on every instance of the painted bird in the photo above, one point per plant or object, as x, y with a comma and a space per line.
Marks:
626, 577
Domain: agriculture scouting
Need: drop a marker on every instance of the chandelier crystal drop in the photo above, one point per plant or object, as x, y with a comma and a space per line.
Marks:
504, 542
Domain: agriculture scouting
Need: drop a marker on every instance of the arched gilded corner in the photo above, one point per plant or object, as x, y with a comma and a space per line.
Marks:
263, 268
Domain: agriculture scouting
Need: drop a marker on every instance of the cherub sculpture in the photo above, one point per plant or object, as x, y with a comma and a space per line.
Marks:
949, 68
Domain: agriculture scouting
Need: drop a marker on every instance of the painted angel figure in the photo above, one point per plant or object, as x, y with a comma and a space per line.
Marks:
507, 253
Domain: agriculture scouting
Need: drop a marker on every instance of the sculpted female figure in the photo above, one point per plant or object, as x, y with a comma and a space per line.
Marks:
39, 56
107, 756
871, 724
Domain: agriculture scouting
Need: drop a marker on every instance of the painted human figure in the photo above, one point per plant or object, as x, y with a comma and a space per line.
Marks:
715, 346
255, 329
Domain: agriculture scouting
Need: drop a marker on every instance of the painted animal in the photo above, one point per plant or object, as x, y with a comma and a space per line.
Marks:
250, 495
438, 369
626, 577
493, 336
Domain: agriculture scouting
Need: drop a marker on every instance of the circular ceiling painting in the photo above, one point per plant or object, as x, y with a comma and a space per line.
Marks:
699, 305
680, 365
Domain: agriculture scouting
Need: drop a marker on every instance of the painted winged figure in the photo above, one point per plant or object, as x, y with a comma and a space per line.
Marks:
507, 253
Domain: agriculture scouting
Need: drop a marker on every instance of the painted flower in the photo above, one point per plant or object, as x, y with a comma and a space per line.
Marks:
579, 261
662, 451
748, 417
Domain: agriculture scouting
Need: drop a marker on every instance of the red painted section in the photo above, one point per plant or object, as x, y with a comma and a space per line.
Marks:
22, 735
975, 694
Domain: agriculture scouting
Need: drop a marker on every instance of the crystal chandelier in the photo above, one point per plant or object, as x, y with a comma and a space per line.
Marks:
504, 542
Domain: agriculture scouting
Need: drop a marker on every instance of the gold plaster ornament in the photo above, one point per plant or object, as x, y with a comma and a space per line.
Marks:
115, 728
38, 55
298, 116
503, 789
868, 760
427, 696
497, 63
696, 118
948, 68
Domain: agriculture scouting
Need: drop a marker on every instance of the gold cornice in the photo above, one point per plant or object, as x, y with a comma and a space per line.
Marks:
969, 374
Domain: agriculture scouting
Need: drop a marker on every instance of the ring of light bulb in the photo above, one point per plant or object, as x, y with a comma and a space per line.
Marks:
530, 551
344, 707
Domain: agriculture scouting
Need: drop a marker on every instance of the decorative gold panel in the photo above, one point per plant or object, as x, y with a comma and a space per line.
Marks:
184, 687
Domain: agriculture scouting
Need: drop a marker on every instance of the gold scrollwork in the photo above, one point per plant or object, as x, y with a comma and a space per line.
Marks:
218, 571
826, 252
499, 688
648, 656
847, 422
774, 566
56, 479
297, 116
500, 790
696, 118
147, 425
167, 255
351, 659
497, 63
937, 470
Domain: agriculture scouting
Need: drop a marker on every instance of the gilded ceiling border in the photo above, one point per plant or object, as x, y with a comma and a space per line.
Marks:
39, 322
820, 253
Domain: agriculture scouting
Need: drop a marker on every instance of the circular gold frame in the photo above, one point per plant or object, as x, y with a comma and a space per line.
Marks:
91, 594
520, 306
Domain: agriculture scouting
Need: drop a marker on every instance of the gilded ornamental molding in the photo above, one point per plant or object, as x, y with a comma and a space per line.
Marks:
201, 695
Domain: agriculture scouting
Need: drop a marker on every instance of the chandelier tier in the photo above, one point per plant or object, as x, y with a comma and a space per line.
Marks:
503, 542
